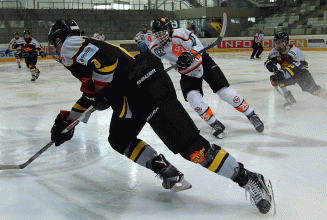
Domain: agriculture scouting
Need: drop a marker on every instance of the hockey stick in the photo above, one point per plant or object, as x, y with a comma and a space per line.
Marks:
219, 39
71, 126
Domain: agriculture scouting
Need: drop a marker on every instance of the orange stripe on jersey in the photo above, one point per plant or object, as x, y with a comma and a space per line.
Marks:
153, 46
198, 56
192, 68
182, 37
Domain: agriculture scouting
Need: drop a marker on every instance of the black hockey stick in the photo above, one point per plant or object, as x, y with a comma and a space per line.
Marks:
72, 125
219, 39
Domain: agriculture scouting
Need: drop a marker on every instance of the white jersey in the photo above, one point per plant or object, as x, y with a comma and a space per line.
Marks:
182, 40
13, 44
293, 56
98, 36
144, 37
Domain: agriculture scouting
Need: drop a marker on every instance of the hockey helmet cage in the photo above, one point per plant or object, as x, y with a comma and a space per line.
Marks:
61, 29
162, 29
282, 36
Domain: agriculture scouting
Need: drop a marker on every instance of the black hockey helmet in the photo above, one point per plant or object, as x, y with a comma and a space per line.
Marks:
61, 29
162, 29
282, 36
162, 24
27, 32
16, 33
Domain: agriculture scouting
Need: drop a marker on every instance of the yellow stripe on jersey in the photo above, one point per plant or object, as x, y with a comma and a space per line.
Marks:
125, 51
289, 70
124, 108
218, 159
137, 150
108, 69
78, 107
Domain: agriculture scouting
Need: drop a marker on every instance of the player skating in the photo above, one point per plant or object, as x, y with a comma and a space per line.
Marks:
100, 36
140, 91
143, 39
294, 70
28, 48
176, 45
13, 47
257, 44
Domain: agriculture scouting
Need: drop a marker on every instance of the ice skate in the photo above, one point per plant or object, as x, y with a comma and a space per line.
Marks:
172, 178
37, 73
290, 101
256, 122
33, 78
19, 66
218, 130
257, 57
260, 190
252, 58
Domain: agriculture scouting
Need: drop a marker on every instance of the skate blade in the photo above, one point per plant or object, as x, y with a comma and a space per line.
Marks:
272, 210
182, 185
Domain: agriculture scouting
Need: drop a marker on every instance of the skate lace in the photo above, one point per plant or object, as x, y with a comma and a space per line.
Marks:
255, 192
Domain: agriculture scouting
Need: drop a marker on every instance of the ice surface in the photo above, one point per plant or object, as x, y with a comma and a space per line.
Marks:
86, 179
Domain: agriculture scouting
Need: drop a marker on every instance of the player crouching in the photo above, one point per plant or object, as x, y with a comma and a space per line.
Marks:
294, 70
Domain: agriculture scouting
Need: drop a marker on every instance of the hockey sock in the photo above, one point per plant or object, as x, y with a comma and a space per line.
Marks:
204, 111
219, 161
229, 95
140, 152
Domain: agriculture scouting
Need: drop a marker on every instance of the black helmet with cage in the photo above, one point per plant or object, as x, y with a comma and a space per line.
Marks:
16, 34
162, 29
282, 36
61, 29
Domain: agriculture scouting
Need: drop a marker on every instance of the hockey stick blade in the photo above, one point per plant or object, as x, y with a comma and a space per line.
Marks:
182, 185
72, 125
219, 39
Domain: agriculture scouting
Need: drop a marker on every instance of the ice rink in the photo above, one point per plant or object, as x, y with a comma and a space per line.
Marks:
86, 179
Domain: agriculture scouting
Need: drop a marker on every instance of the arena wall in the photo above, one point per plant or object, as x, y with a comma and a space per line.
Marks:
229, 44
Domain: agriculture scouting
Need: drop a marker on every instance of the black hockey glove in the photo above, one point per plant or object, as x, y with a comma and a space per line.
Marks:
60, 124
101, 103
42, 54
183, 62
271, 66
7, 51
277, 78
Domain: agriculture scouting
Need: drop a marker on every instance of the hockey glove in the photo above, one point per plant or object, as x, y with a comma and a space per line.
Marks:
101, 103
60, 124
183, 62
7, 51
143, 47
277, 78
42, 54
271, 66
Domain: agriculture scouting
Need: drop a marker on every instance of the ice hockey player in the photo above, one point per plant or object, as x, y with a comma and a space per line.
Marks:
111, 77
293, 70
100, 36
13, 47
28, 48
143, 39
176, 46
257, 44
